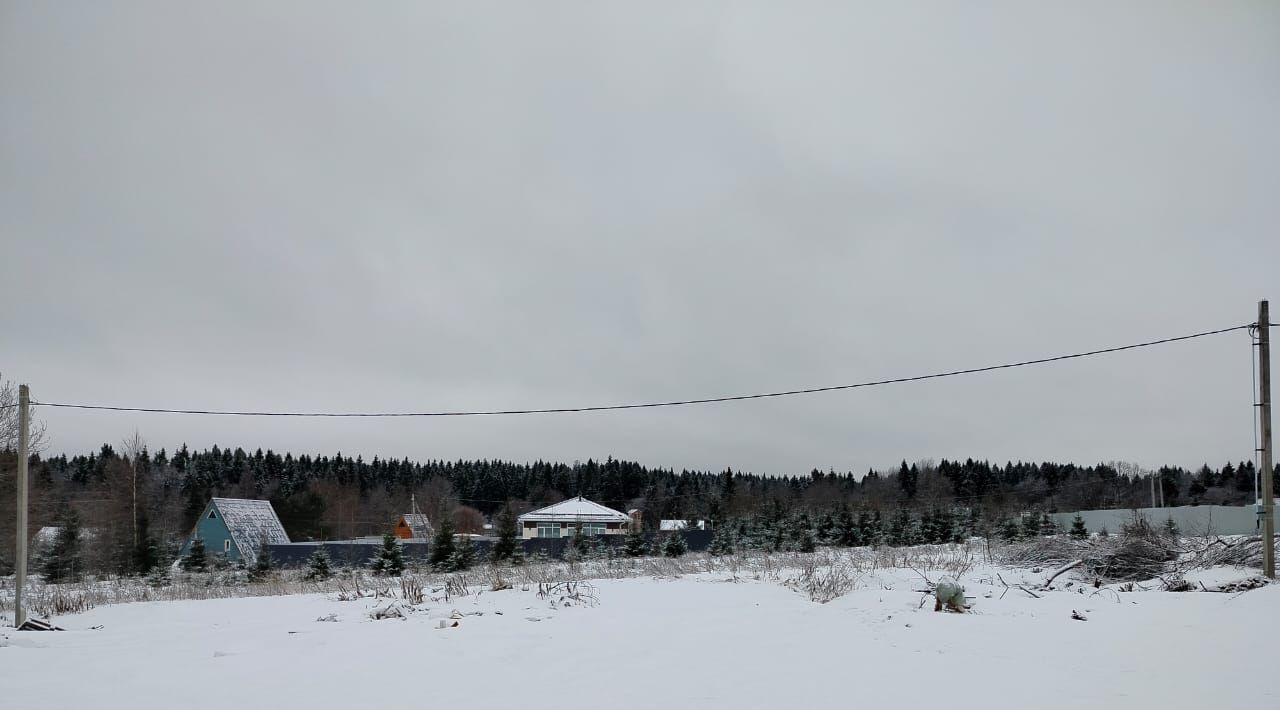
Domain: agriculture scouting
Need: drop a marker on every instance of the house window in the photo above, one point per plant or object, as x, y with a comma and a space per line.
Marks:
548, 529
226, 546
212, 515
593, 528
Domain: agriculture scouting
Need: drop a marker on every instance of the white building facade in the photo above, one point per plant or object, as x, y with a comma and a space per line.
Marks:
564, 518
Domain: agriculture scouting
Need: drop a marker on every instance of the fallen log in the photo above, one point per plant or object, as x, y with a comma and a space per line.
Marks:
1067, 567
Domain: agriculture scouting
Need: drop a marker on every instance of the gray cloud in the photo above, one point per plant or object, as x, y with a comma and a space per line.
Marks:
417, 206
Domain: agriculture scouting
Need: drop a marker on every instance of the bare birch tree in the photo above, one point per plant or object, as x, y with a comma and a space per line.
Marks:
9, 421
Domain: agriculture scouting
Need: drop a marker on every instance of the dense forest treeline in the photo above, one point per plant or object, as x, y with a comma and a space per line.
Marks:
129, 494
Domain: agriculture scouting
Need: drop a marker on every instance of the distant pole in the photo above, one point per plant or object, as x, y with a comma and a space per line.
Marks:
1268, 495
134, 485
1152, 479
24, 427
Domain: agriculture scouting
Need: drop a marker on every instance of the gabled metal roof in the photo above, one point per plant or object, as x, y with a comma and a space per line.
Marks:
250, 522
418, 524
575, 510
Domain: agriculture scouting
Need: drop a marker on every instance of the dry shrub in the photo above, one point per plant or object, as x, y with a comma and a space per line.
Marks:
412, 591
823, 583
569, 593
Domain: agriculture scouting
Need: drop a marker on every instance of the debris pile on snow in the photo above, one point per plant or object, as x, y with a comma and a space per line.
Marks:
394, 610
38, 625
1244, 585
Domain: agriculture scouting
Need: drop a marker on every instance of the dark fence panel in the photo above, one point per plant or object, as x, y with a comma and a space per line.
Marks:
359, 554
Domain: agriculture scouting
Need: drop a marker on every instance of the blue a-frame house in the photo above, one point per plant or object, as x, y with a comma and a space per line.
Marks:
236, 527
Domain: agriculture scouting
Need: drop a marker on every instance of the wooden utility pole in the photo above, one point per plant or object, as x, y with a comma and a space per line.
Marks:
24, 443
1264, 415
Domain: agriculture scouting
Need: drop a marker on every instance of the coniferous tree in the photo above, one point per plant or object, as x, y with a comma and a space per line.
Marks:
1047, 526
390, 559
62, 561
1010, 530
159, 577
579, 543
900, 533
262, 563
146, 553
925, 526
442, 546
197, 560
722, 542
944, 526
635, 545
507, 541
675, 545
875, 533
1078, 529
801, 534
728, 488
1030, 526
805, 541
773, 526
909, 480
974, 526
1171, 528
862, 532
318, 566
847, 533
464, 555
749, 536
826, 533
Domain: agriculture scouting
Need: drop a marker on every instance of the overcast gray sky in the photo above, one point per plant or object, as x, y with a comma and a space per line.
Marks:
429, 206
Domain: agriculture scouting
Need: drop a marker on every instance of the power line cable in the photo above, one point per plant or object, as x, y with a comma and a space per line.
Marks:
652, 405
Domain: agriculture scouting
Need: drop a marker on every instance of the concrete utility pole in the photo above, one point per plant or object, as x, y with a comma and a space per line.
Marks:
1264, 414
24, 443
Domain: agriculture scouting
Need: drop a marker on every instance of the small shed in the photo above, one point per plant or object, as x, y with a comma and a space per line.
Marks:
236, 527
564, 518
413, 526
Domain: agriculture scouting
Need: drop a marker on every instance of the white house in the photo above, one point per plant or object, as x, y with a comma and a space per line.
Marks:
564, 518
672, 525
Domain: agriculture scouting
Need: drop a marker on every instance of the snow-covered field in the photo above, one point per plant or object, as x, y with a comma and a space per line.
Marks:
707, 640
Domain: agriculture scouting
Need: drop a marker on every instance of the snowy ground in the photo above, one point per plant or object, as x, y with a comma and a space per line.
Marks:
703, 640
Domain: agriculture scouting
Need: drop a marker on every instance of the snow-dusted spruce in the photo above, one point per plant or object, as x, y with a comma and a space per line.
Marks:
196, 560
464, 555
505, 547
1078, 529
319, 567
635, 544
390, 559
262, 563
442, 546
61, 562
722, 541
